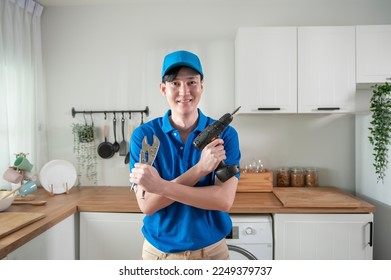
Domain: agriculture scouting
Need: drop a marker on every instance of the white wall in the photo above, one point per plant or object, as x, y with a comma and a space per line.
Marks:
108, 57
366, 178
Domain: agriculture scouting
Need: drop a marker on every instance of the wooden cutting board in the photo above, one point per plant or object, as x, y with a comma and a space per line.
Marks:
317, 197
12, 221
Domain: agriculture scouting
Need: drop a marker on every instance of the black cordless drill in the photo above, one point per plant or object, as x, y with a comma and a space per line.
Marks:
223, 171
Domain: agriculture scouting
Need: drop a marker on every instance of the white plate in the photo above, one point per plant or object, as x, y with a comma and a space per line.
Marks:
58, 173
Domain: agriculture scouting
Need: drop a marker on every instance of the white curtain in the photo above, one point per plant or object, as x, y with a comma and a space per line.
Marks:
22, 97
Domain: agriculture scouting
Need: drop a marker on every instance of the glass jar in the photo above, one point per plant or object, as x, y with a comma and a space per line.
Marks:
311, 177
283, 177
297, 177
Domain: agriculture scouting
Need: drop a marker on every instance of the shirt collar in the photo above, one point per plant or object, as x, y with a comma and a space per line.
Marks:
167, 127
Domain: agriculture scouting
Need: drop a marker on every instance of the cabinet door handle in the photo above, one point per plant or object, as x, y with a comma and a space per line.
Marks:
268, 109
370, 243
328, 108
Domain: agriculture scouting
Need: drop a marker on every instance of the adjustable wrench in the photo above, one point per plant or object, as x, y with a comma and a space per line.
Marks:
148, 154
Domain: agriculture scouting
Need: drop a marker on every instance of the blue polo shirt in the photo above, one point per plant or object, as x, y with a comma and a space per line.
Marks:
180, 227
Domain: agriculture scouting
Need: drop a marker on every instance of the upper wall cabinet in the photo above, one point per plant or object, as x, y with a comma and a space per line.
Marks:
373, 54
295, 69
326, 69
266, 69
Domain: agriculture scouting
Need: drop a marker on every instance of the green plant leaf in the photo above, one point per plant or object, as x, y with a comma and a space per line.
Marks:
380, 129
85, 149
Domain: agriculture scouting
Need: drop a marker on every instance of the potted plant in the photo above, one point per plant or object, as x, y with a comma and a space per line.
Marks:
85, 149
380, 129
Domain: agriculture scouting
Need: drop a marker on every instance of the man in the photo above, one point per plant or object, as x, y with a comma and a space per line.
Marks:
186, 206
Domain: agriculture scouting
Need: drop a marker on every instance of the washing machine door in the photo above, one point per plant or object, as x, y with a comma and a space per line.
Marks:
239, 253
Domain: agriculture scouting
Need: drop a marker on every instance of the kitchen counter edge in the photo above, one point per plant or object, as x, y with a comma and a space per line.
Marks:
121, 200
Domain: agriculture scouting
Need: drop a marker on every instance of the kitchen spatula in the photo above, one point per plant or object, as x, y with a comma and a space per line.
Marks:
31, 202
127, 157
123, 146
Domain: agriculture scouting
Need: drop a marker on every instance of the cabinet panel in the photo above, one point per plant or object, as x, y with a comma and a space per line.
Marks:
295, 69
266, 69
326, 69
57, 243
323, 236
111, 236
373, 53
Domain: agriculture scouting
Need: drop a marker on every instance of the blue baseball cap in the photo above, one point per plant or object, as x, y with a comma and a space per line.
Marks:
181, 58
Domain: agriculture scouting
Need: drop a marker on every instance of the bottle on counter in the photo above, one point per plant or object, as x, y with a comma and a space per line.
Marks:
283, 177
297, 177
311, 177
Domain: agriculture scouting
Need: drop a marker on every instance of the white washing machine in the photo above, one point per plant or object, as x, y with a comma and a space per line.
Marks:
251, 237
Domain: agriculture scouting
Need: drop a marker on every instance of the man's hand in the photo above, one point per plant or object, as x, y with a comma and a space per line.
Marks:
146, 177
212, 155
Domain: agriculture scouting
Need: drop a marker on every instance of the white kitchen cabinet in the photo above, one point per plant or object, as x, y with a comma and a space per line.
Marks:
295, 69
323, 236
373, 54
266, 69
111, 236
326, 69
57, 243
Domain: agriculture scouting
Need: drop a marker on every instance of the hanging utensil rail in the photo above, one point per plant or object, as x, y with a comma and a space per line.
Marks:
145, 111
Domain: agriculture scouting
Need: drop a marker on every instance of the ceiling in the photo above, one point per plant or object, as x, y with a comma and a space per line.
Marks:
59, 3
48, 3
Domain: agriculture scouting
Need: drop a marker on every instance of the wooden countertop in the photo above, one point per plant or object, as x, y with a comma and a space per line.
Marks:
122, 200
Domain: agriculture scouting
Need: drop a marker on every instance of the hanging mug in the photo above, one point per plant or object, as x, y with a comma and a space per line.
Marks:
22, 163
27, 188
12, 175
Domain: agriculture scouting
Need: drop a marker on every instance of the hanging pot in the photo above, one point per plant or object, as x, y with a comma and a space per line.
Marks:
105, 149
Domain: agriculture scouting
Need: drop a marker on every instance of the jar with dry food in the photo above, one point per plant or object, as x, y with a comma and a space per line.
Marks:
283, 177
311, 177
297, 177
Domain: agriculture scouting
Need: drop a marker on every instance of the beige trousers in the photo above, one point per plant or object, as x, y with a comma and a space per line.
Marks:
217, 251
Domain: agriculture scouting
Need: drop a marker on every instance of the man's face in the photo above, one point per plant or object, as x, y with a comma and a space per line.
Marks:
184, 92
